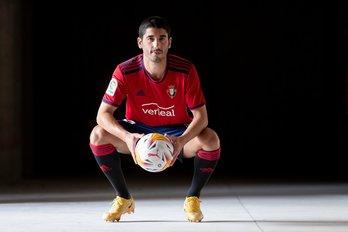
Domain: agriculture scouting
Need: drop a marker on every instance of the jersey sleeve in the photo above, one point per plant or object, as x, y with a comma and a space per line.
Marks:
116, 90
193, 91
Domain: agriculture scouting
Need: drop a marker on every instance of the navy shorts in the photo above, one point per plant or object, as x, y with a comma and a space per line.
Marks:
173, 130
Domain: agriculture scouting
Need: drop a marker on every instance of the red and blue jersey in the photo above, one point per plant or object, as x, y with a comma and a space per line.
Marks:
156, 103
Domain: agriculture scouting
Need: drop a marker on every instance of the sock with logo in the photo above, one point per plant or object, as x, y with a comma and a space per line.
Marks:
204, 165
109, 162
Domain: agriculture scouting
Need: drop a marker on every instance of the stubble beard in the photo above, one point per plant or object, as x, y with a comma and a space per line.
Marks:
157, 59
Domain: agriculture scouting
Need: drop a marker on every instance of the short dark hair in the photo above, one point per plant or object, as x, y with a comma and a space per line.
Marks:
156, 22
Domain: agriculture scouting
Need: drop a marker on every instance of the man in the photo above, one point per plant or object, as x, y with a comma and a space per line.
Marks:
163, 94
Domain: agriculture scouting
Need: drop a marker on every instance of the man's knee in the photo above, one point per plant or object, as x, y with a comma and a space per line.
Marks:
97, 135
211, 138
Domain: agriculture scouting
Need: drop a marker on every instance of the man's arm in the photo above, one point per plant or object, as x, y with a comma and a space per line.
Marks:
106, 119
198, 123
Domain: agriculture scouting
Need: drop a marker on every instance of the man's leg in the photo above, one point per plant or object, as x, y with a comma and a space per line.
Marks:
110, 163
204, 166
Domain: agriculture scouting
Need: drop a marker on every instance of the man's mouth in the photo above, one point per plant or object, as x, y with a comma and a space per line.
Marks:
157, 52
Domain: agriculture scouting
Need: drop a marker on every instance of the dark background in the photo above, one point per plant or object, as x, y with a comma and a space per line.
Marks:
274, 77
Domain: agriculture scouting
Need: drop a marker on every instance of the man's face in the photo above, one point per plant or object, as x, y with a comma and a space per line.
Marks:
155, 44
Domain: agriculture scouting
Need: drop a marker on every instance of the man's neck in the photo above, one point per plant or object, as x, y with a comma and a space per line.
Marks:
156, 70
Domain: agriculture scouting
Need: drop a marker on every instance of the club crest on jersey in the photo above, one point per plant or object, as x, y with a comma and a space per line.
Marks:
171, 91
112, 87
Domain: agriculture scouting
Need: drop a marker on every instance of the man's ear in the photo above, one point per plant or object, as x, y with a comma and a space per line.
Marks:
139, 41
170, 42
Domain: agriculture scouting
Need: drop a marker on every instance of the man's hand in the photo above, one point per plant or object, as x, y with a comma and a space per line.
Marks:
178, 146
131, 140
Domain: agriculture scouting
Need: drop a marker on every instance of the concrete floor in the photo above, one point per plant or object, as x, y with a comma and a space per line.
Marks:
77, 205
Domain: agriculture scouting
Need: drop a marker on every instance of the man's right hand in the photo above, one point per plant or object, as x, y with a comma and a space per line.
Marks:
131, 140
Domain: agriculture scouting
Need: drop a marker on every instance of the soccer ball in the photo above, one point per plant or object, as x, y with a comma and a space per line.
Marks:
154, 152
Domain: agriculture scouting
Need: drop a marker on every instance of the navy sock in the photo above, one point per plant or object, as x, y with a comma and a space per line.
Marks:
109, 162
204, 166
